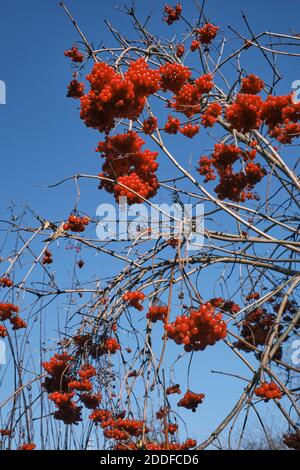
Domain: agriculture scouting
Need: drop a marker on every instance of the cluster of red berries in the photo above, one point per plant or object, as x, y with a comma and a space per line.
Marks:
113, 96
173, 389
199, 329
156, 313
194, 45
268, 391
98, 416
47, 258
172, 125
74, 54
29, 446
188, 97
207, 33
153, 445
244, 113
256, 328
190, 130
172, 428
110, 345
3, 331
75, 89
134, 299
150, 125
227, 306
173, 76
180, 49
191, 400
62, 387
9, 312
122, 429
132, 168
5, 432
252, 296
5, 281
236, 186
211, 114
281, 115
292, 440
173, 13
252, 85
76, 224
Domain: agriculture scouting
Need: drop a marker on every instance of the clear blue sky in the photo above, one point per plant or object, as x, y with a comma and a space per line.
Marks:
43, 140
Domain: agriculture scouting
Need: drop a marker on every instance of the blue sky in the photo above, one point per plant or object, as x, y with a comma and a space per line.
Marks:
43, 140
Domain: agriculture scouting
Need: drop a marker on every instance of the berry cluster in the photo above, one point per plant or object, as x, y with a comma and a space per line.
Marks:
134, 299
132, 168
173, 77
252, 85
244, 113
180, 49
268, 391
292, 440
172, 125
5, 432
173, 13
76, 224
199, 329
98, 416
156, 313
122, 429
47, 258
190, 130
236, 186
29, 446
207, 33
113, 96
173, 389
256, 328
281, 116
3, 331
211, 114
188, 97
153, 445
172, 428
110, 345
10, 312
74, 54
252, 296
75, 89
150, 125
191, 400
5, 281
194, 45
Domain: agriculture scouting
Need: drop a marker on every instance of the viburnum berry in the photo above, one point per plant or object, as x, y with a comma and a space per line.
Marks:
5, 432
180, 49
134, 298
252, 85
75, 89
190, 130
207, 33
7, 310
110, 345
61, 398
194, 45
17, 323
76, 224
191, 400
90, 400
172, 125
156, 313
253, 296
3, 331
29, 446
173, 13
74, 54
5, 281
150, 125
97, 416
244, 114
292, 440
173, 389
47, 257
211, 114
268, 391
199, 329
172, 428
173, 77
